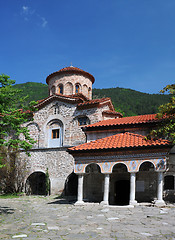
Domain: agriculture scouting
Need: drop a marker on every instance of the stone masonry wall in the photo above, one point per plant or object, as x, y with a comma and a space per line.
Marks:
68, 79
59, 164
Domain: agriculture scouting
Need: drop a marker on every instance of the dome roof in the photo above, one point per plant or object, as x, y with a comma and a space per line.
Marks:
71, 70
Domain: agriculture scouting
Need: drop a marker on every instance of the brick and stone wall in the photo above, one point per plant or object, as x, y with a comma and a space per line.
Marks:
59, 164
69, 82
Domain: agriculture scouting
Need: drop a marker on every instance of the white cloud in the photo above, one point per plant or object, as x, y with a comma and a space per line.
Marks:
30, 14
44, 23
25, 9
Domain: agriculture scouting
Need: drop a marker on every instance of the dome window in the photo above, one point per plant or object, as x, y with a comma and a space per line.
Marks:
77, 88
60, 89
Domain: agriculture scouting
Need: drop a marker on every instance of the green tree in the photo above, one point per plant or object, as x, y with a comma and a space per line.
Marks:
13, 135
166, 114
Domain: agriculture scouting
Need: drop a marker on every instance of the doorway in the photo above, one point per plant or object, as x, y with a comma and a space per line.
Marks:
36, 184
122, 192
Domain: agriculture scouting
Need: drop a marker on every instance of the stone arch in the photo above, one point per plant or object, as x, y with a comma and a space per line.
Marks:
92, 167
85, 90
147, 166
68, 89
34, 131
36, 183
71, 185
55, 133
120, 167
93, 192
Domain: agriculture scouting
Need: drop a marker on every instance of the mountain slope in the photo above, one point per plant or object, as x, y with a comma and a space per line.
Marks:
127, 101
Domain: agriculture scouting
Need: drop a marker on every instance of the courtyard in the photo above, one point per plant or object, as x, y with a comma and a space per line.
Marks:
38, 217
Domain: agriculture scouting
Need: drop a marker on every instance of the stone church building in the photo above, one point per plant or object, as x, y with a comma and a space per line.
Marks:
92, 152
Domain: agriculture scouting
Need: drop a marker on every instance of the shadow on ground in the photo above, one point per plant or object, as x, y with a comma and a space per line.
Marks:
6, 210
63, 200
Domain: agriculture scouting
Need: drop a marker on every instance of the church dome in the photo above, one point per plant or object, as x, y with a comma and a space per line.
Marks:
70, 80
70, 70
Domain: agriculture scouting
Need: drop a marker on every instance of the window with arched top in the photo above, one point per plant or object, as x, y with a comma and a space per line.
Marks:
83, 120
77, 88
55, 133
89, 92
60, 89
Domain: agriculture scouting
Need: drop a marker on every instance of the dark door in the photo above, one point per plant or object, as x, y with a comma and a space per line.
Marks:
122, 192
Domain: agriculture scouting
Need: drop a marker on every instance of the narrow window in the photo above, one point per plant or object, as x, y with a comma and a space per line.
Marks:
60, 89
55, 133
77, 88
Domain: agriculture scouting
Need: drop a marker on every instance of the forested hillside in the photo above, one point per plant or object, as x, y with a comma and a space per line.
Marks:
131, 102
127, 101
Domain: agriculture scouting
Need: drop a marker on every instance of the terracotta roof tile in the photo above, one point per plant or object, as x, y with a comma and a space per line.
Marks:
94, 101
71, 70
110, 112
119, 141
126, 120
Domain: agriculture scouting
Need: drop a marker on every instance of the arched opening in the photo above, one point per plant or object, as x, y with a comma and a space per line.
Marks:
146, 184
36, 184
60, 89
71, 185
120, 185
83, 120
68, 89
93, 183
89, 93
85, 90
77, 88
55, 133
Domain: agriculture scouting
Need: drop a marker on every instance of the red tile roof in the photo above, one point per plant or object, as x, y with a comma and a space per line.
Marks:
110, 112
97, 102
71, 70
76, 98
126, 120
120, 141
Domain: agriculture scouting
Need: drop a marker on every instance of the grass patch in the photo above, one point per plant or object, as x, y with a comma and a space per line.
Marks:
10, 195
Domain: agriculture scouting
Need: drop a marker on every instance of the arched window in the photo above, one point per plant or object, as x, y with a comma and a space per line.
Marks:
83, 120
60, 89
55, 136
77, 88
89, 93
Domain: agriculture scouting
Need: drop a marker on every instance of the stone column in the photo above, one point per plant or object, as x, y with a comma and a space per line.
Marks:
106, 190
132, 188
80, 190
160, 201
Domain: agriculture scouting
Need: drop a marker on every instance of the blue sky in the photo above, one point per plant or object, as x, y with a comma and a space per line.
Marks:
122, 43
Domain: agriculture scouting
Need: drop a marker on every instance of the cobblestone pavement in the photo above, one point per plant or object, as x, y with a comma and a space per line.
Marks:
33, 217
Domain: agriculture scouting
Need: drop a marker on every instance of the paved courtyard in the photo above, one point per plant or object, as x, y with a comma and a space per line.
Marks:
33, 217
